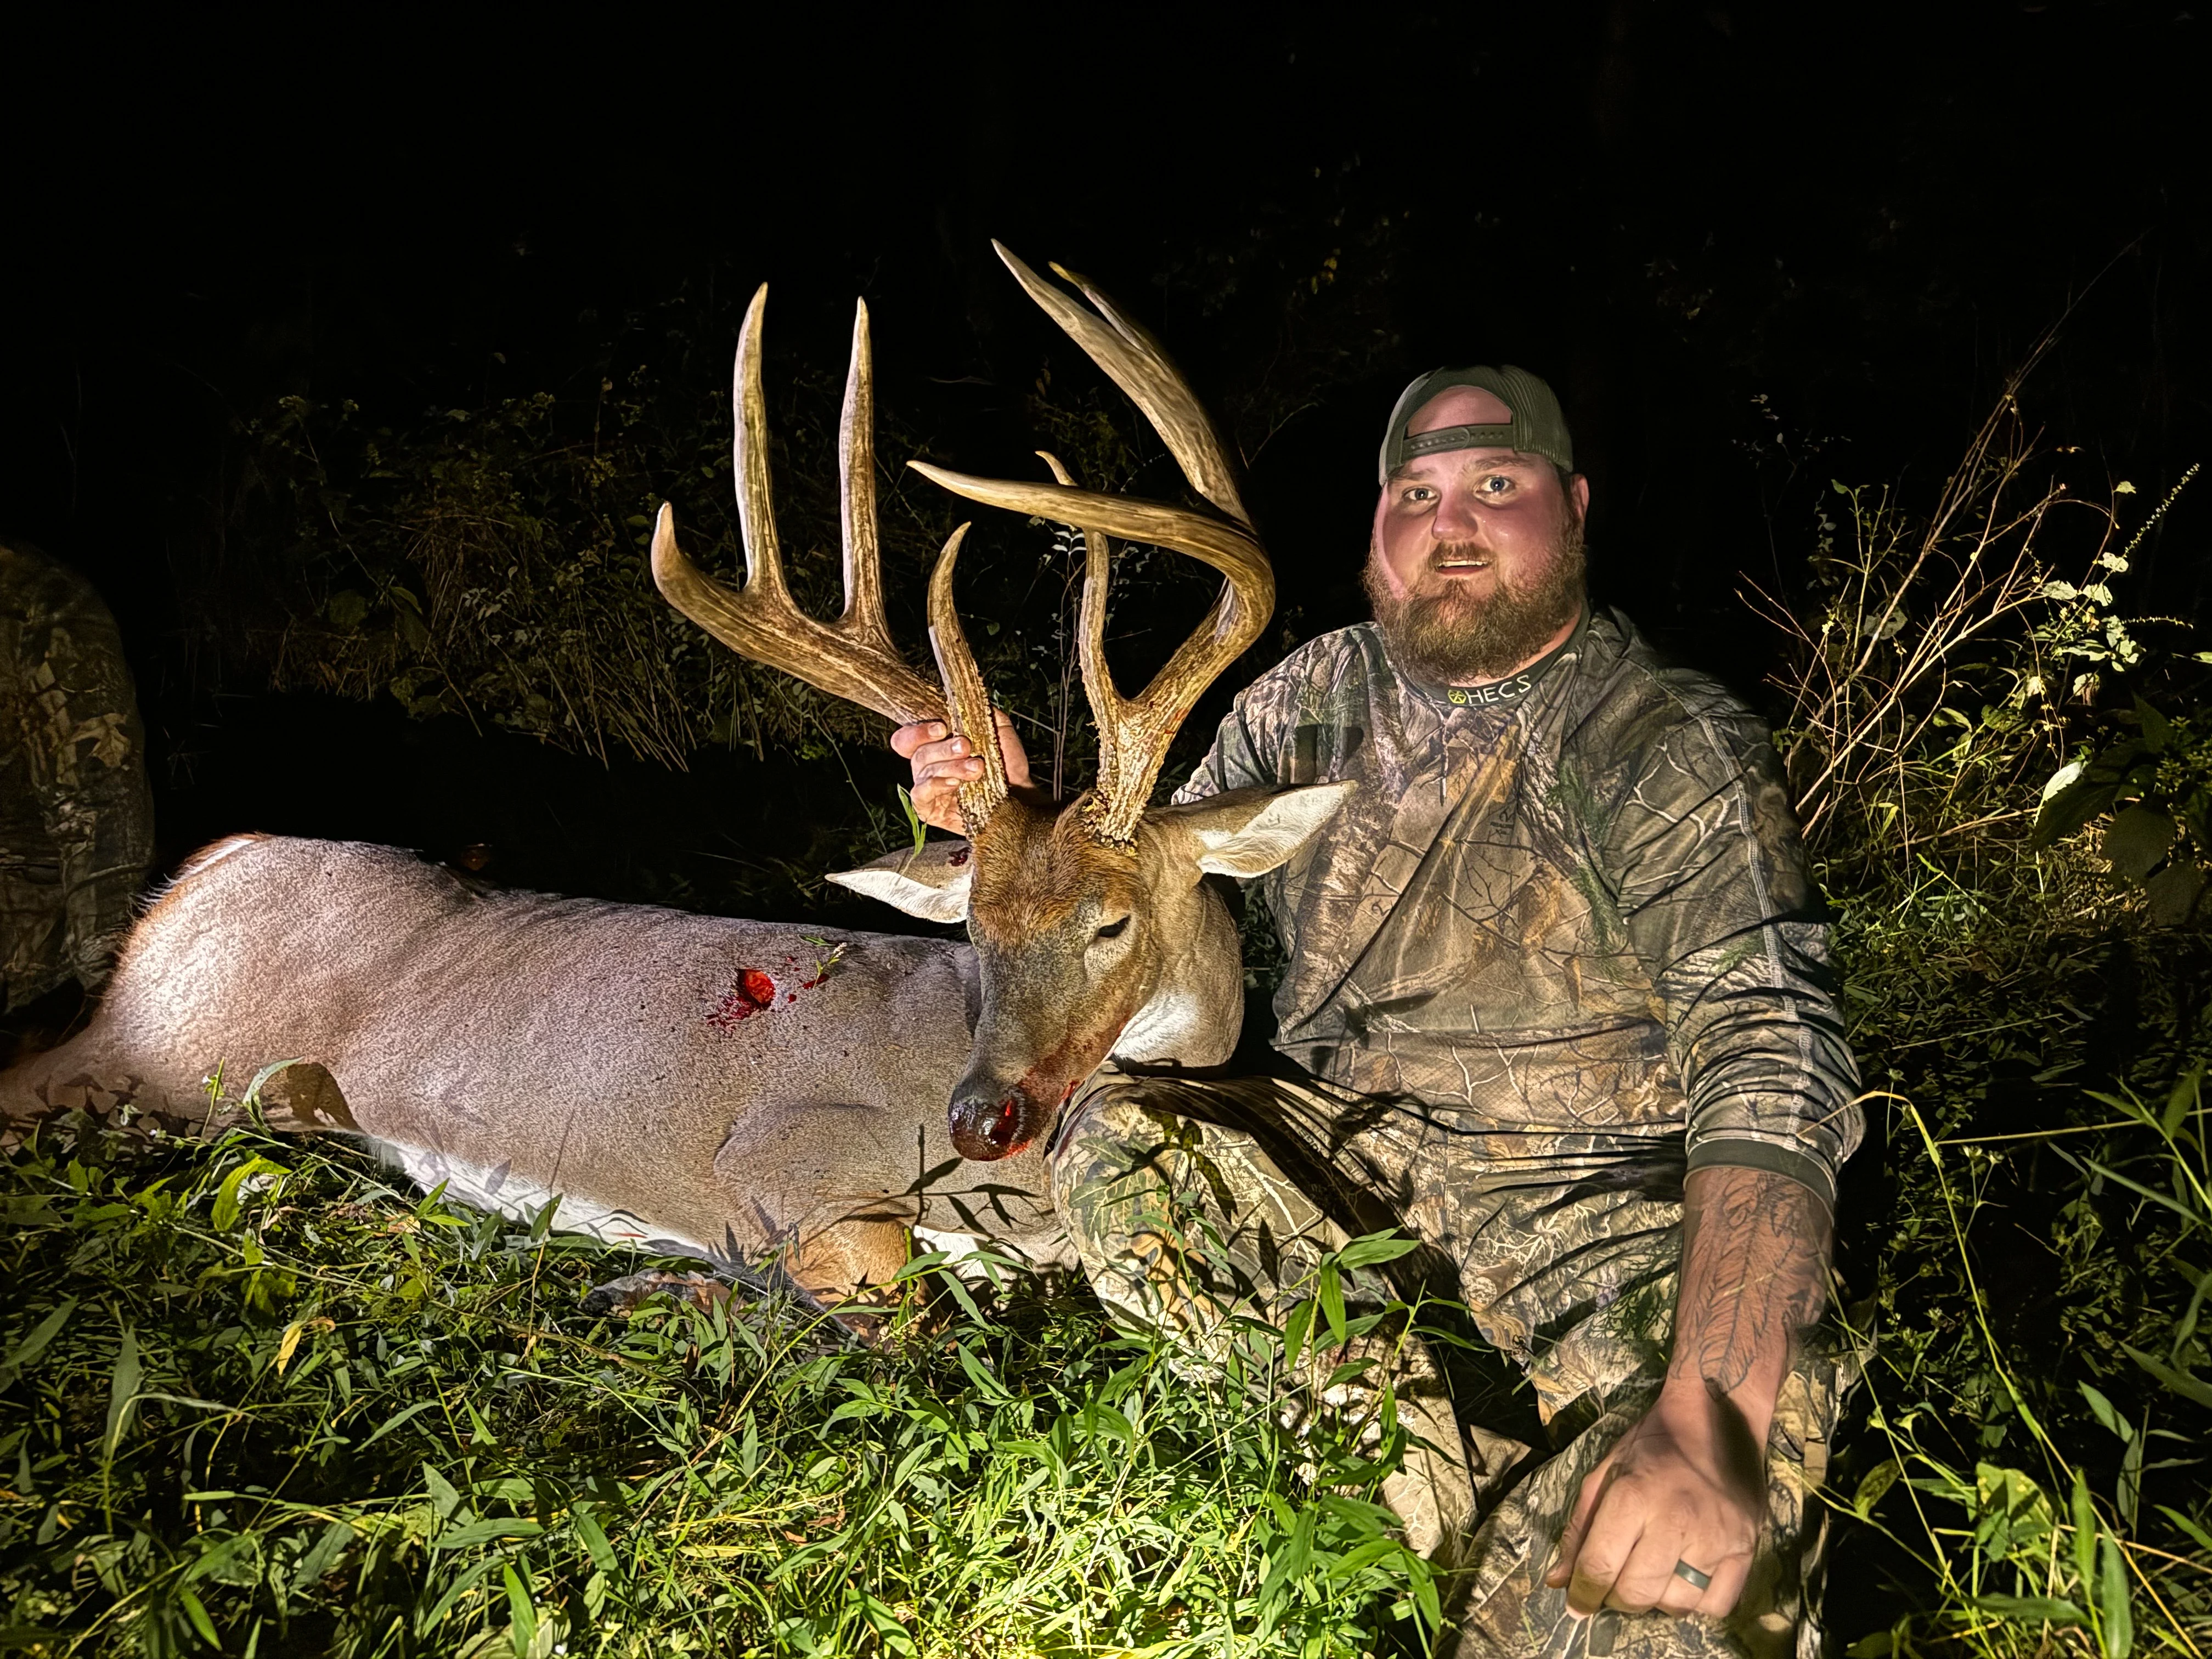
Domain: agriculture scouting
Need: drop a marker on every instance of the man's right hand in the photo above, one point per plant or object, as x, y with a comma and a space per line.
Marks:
943, 762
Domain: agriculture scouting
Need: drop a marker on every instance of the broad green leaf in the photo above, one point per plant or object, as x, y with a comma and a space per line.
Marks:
253, 1096
2195, 1534
1878, 1481
2136, 1186
2033, 1609
1332, 1301
1373, 1248
396, 1418
522, 1616
1097, 1416
958, 1293
2069, 809
2107, 1414
2138, 839
434, 1615
1425, 1598
483, 1532
2127, 1494
2181, 1382
2169, 897
1363, 1556
35, 1344
987, 1384
227, 1203
445, 1497
595, 1540
928, 1261
2157, 730
122, 1392
2112, 1601
323, 1556
197, 1613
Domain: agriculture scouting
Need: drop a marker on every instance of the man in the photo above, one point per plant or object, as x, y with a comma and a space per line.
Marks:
76, 822
1557, 998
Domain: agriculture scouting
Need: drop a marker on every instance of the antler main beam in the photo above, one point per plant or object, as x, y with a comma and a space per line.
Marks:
1137, 362
1134, 732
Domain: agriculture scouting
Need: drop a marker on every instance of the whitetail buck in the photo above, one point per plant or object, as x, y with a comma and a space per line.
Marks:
731, 1087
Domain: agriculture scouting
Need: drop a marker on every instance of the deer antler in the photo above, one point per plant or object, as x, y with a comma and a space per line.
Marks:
1134, 732
853, 658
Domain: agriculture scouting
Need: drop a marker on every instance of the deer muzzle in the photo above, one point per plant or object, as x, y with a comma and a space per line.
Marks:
987, 1125
992, 1117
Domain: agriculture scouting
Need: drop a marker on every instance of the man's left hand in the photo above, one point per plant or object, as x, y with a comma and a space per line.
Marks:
1687, 1484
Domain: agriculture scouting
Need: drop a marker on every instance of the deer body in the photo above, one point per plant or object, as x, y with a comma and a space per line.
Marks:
704, 1076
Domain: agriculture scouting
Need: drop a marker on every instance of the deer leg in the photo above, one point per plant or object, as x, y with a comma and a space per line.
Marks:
848, 1262
618, 1299
304, 1098
820, 1186
109, 1082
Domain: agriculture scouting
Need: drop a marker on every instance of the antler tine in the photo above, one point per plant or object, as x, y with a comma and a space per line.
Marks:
854, 658
1107, 706
856, 493
1140, 365
966, 697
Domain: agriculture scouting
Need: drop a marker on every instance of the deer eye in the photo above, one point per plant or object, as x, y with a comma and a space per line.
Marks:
1114, 929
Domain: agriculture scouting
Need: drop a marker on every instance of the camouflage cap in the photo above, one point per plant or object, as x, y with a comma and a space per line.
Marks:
1537, 427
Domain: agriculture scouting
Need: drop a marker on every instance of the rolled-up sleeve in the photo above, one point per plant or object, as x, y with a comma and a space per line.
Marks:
1712, 888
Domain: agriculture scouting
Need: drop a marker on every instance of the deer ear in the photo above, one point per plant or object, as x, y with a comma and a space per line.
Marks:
1247, 832
931, 883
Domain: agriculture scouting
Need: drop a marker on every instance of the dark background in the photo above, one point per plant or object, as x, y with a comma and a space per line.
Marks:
1755, 248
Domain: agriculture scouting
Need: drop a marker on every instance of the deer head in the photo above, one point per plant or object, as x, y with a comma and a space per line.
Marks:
1095, 933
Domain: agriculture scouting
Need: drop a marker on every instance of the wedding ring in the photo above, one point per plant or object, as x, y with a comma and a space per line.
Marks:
1697, 1580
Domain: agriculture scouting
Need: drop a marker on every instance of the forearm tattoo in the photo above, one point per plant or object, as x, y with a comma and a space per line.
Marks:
1755, 1275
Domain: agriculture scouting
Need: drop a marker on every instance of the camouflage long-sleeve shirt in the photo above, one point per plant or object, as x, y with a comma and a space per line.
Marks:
1567, 913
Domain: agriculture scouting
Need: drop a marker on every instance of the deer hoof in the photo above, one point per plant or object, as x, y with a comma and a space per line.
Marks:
618, 1299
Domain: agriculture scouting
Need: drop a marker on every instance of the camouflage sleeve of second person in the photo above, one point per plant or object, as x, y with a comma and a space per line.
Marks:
1702, 851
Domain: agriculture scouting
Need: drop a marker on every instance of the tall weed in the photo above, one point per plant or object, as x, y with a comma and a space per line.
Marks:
1963, 718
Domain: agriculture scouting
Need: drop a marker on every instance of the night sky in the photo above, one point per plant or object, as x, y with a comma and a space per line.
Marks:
1755, 248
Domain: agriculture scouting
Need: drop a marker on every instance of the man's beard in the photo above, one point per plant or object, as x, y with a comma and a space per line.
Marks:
1440, 632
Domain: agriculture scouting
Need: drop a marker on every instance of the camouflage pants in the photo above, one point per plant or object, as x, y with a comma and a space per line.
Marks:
1197, 1202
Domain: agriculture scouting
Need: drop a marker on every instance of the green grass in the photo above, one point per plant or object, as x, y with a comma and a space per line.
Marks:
255, 1399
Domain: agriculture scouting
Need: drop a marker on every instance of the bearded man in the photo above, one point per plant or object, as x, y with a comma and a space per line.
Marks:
1556, 1006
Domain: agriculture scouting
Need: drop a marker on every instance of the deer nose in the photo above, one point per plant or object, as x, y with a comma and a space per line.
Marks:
987, 1126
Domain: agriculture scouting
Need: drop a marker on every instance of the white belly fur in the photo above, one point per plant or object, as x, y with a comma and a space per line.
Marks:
522, 1199
500, 1188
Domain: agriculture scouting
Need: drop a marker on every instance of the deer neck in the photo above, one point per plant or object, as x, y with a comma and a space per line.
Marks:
1196, 1008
